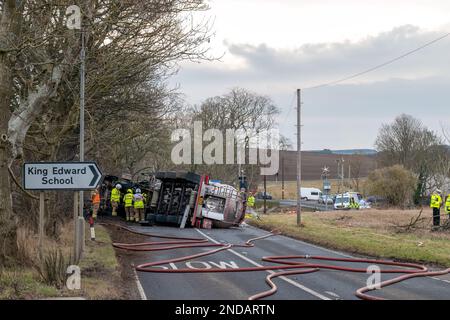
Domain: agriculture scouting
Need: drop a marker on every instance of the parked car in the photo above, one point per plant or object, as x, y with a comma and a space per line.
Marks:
375, 200
262, 195
326, 199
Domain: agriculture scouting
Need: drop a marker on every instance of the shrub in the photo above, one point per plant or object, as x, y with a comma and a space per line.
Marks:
52, 268
396, 184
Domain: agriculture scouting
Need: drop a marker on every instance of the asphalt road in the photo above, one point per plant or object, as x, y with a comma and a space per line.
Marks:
307, 204
322, 285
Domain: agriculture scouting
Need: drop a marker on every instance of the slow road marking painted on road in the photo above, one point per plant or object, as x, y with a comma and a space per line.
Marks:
295, 284
211, 264
203, 265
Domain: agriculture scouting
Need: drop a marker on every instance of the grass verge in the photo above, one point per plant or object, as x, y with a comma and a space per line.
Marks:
23, 284
100, 272
100, 275
370, 233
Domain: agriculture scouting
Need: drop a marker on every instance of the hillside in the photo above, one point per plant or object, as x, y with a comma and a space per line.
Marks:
313, 162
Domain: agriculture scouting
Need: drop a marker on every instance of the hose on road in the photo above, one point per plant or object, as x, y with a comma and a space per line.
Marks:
409, 270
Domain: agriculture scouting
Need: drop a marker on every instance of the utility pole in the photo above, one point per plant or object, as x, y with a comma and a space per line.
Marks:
338, 174
74, 22
349, 174
265, 194
299, 158
282, 177
82, 88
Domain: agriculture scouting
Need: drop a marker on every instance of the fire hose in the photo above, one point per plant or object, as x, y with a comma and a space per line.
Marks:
409, 270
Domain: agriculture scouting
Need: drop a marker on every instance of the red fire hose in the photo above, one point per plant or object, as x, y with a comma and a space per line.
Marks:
409, 270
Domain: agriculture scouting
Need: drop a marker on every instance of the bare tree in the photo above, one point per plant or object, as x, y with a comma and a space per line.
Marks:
8, 27
406, 141
446, 133
133, 46
355, 167
240, 109
409, 143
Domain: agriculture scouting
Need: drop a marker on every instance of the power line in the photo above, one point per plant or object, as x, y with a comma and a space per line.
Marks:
378, 66
291, 107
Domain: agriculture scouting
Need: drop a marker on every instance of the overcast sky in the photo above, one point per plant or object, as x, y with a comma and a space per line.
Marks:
273, 47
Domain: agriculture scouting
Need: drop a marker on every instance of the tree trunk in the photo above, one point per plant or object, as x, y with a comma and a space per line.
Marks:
8, 227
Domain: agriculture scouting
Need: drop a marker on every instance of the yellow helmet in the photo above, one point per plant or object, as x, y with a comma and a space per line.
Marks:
129, 191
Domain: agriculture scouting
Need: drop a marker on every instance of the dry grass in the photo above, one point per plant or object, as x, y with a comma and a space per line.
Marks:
27, 246
100, 276
369, 232
100, 268
23, 283
381, 220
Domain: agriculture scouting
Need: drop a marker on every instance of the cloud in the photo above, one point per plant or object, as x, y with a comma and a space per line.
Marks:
417, 84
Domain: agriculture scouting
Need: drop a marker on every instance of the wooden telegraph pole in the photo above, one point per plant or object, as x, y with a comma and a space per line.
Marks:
299, 158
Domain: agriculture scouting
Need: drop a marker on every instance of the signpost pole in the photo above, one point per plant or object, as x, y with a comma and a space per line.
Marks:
75, 228
41, 220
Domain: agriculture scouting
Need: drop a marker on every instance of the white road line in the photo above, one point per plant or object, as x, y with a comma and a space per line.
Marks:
443, 280
331, 293
314, 246
292, 282
139, 285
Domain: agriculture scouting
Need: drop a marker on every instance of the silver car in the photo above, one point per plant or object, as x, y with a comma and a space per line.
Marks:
326, 199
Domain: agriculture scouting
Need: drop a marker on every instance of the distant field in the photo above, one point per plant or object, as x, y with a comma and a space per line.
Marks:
290, 187
314, 162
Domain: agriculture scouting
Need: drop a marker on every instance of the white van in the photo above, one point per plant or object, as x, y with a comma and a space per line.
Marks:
310, 193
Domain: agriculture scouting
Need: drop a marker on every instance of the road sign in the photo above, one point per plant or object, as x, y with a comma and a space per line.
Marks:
61, 176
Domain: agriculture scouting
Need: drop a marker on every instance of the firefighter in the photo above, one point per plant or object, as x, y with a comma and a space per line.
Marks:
447, 206
355, 204
139, 206
145, 197
115, 198
352, 204
250, 207
435, 204
250, 201
95, 203
128, 201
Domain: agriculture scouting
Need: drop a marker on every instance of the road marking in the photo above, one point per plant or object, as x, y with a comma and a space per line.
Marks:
295, 284
139, 285
225, 265
205, 264
331, 293
443, 280
313, 245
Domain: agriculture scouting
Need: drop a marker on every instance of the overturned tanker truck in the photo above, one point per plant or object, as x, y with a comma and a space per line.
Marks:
184, 199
